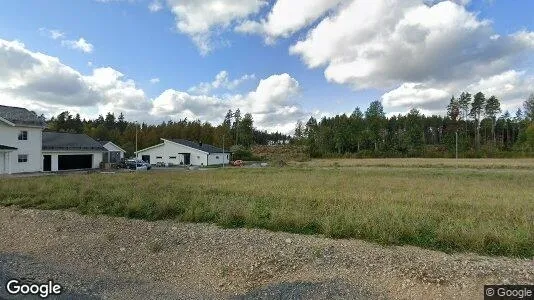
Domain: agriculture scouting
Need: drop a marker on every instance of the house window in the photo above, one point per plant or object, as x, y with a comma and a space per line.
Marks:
227, 156
159, 157
198, 157
216, 157
23, 135
172, 157
23, 158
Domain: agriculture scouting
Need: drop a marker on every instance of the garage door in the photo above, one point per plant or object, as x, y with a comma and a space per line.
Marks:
73, 162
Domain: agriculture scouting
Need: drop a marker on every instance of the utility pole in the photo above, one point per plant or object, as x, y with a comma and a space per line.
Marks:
135, 139
223, 150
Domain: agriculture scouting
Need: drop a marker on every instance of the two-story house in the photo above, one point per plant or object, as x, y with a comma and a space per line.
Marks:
20, 140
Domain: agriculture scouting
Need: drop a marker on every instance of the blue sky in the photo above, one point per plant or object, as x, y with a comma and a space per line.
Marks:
130, 45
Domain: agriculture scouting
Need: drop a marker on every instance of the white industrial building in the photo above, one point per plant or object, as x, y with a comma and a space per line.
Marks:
184, 152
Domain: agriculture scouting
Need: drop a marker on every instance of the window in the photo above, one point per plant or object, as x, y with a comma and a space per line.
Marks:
198, 157
227, 156
172, 157
23, 135
23, 158
216, 157
159, 157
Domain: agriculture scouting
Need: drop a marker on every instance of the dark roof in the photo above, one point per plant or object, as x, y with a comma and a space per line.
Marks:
3, 147
70, 142
20, 116
201, 147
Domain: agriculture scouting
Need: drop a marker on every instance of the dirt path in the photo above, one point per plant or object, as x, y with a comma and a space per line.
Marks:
116, 258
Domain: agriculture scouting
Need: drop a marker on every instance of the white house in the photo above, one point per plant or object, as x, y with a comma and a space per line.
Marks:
24, 147
70, 151
114, 153
184, 152
20, 140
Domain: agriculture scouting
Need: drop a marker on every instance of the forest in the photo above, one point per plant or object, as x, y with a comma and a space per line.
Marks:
474, 126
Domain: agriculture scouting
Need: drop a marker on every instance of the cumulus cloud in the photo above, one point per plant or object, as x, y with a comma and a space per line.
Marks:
154, 80
222, 81
272, 104
283, 20
200, 18
511, 87
46, 85
80, 44
381, 44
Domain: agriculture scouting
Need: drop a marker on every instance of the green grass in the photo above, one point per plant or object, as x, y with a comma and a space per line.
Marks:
487, 211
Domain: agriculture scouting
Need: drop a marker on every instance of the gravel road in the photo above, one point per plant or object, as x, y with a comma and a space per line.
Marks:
100, 257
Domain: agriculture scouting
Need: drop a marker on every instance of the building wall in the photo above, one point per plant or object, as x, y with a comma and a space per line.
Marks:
169, 149
97, 157
112, 148
31, 147
218, 158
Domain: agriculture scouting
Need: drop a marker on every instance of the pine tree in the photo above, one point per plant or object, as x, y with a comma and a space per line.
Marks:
477, 107
491, 110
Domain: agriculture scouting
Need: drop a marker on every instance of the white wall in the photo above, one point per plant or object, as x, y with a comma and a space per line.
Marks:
31, 147
97, 157
168, 149
113, 147
218, 158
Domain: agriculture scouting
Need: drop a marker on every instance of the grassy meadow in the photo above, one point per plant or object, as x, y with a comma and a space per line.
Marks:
484, 206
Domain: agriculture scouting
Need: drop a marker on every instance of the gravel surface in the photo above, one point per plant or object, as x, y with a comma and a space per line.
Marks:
100, 257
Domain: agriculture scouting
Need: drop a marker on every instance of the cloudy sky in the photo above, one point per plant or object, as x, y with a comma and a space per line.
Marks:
281, 60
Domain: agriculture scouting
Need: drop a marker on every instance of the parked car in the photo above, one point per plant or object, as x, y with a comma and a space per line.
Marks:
132, 164
141, 167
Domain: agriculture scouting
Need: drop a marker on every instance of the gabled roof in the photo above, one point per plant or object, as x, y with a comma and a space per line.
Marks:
18, 116
70, 142
104, 143
199, 146
3, 147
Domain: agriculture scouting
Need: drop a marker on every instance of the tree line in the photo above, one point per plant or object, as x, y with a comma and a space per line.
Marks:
236, 129
474, 126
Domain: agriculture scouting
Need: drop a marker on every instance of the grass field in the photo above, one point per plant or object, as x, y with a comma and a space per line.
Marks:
483, 206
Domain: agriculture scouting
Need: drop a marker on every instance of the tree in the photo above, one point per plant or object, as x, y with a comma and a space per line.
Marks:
492, 108
477, 107
453, 109
464, 104
246, 130
235, 125
529, 108
375, 119
299, 131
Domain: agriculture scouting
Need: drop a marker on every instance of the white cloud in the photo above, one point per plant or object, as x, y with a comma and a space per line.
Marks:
52, 33
44, 84
288, 17
511, 87
200, 18
80, 44
272, 104
155, 6
382, 44
221, 81
154, 80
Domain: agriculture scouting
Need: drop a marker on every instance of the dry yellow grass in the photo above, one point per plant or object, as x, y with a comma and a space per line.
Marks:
519, 163
483, 210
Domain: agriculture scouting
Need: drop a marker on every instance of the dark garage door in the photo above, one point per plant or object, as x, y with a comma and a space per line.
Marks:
73, 162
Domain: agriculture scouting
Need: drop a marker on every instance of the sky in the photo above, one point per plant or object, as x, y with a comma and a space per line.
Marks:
280, 60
